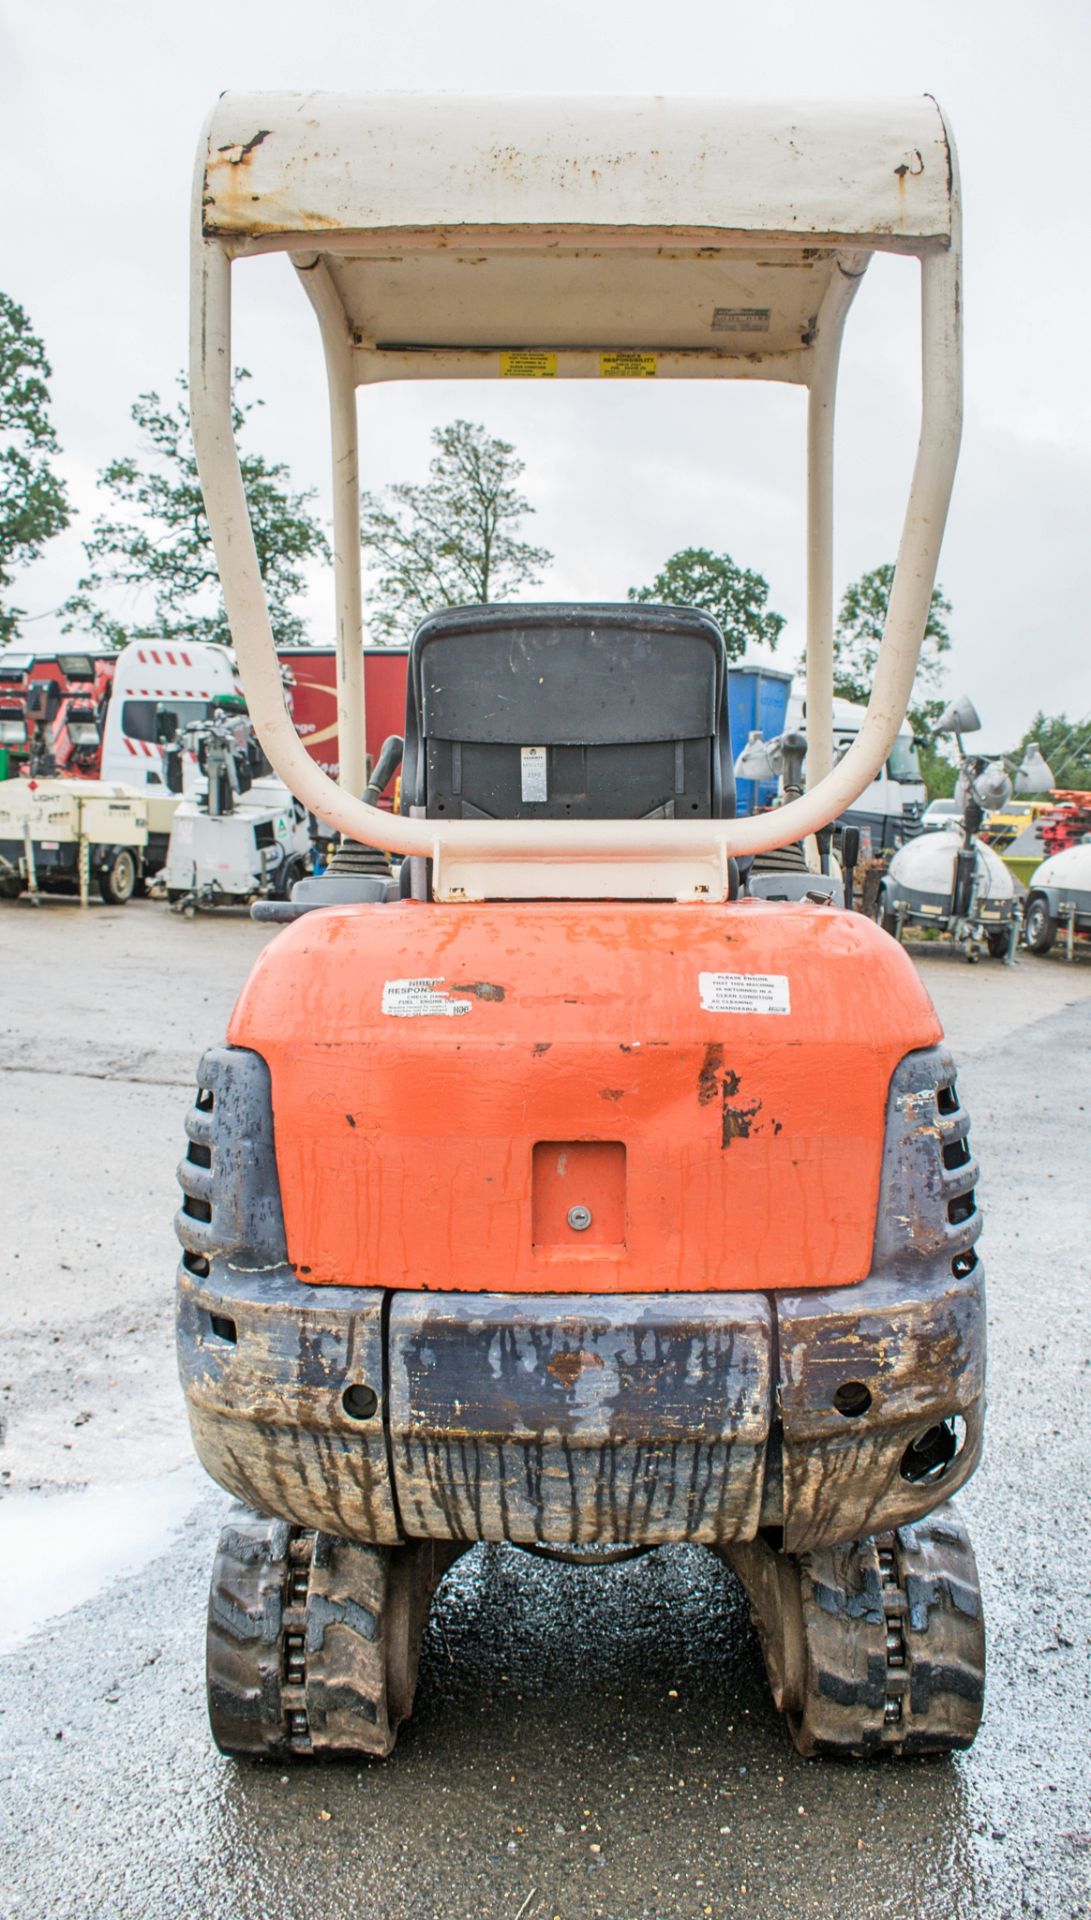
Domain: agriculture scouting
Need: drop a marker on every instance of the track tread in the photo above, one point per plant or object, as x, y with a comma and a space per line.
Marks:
312, 1640
894, 1645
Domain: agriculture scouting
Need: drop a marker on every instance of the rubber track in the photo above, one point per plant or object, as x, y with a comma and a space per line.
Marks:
894, 1643
296, 1652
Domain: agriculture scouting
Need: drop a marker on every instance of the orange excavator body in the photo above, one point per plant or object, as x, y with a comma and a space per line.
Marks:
581, 1098
522, 1206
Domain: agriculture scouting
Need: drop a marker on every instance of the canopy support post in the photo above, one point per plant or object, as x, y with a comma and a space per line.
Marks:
821, 409
340, 376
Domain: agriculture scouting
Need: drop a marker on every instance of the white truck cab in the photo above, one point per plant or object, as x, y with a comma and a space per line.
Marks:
152, 674
889, 810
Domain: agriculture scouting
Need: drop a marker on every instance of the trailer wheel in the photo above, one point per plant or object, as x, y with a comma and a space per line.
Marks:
313, 1641
998, 940
885, 914
117, 877
10, 887
1039, 928
290, 872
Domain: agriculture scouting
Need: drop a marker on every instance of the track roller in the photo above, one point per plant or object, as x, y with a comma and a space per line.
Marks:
877, 1646
313, 1642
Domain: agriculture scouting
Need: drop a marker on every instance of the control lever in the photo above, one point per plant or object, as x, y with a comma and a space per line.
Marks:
850, 858
386, 766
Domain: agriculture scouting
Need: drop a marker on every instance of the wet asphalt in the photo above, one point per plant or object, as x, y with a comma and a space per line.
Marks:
585, 1743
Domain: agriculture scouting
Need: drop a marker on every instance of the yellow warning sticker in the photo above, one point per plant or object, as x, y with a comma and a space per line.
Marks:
628, 366
528, 365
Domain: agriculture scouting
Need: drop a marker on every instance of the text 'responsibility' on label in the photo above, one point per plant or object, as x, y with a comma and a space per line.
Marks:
408, 999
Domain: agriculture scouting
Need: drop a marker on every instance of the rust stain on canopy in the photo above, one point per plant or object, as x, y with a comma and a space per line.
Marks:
238, 153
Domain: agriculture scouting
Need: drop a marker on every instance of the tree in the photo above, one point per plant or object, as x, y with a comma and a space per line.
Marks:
156, 538
857, 639
450, 542
1065, 744
735, 597
33, 502
940, 774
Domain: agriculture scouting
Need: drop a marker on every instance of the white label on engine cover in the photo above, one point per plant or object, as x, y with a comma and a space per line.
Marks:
744, 992
407, 998
532, 773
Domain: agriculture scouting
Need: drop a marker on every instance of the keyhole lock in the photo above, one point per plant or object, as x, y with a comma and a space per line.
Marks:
579, 1219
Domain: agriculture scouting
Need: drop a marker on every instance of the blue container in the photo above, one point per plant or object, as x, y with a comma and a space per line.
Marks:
757, 698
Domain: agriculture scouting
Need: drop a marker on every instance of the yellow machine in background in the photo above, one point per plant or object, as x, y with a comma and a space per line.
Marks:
1012, 831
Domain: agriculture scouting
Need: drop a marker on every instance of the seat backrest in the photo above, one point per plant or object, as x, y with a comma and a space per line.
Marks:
555, 712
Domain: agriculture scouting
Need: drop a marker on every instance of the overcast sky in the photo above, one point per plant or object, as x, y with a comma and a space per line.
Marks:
101, 110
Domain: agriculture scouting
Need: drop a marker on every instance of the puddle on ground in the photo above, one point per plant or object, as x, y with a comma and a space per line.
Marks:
57, 1551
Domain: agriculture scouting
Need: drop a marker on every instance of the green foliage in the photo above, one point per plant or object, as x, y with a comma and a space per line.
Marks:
1065, 744
33, 502
937, 755
939, 774
450, 542
156, 540
858, 636
735, 598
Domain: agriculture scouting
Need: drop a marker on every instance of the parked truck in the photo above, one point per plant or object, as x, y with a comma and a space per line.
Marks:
51, 712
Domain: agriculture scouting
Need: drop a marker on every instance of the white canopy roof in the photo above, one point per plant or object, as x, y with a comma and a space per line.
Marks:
532, 236
597, 238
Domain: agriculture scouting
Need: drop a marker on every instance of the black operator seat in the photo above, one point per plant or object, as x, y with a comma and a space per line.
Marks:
568, 712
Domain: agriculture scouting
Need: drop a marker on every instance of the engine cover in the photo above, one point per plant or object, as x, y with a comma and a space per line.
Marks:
559, 1098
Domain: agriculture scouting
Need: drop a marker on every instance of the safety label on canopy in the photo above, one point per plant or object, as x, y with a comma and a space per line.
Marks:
525, 363
628, 366
406, 999
744, 992
740, 319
